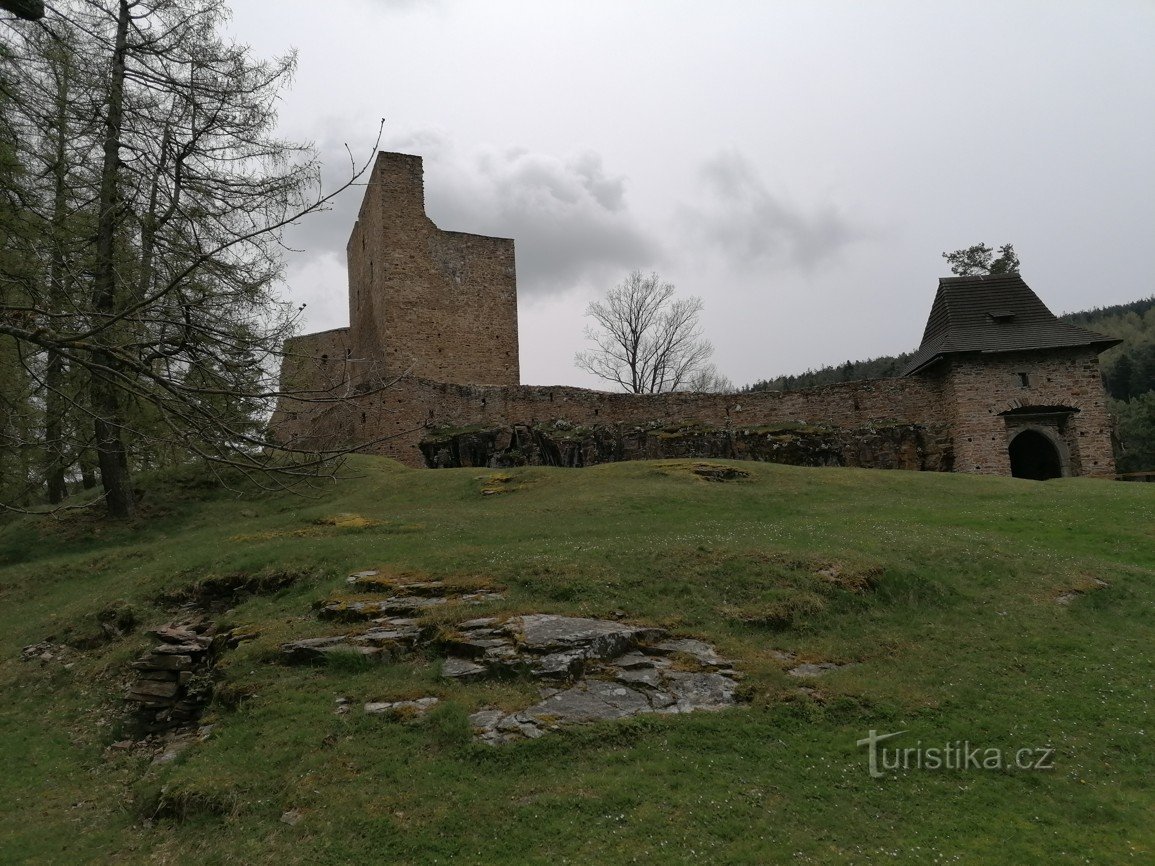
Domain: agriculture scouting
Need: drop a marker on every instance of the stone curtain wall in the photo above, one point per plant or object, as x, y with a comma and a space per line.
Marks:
961, 405
981, 387
436, 307
442, 305
395, 420
317, 362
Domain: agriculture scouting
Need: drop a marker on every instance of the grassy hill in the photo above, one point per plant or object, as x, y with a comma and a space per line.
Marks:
1007, 613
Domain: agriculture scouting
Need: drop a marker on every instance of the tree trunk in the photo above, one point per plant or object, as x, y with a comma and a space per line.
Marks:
54, 400
112, 456
87, 467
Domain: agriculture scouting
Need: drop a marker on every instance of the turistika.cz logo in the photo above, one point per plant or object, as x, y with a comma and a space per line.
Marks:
957, 755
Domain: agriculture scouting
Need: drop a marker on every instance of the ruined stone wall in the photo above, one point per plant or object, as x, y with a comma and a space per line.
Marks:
316, 361
394, 420
441, 305
978, 388
316, 369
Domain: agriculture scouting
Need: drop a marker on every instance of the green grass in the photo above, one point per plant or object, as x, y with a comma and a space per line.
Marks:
938, 591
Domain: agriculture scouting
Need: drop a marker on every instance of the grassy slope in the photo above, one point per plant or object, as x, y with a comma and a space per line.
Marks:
959, 638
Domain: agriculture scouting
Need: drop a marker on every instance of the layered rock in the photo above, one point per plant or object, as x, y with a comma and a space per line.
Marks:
881, 446
171, 686
590, 669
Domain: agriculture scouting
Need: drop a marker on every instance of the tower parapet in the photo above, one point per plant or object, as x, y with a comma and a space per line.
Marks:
433, 303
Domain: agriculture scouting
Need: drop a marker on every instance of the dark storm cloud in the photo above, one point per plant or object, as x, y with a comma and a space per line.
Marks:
746, 223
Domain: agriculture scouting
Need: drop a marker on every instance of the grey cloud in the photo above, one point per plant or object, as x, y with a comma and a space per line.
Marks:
568, 216
609, 191
327, 231
749, 225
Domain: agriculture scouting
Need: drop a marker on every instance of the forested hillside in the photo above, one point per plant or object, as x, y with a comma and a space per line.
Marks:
1128, 374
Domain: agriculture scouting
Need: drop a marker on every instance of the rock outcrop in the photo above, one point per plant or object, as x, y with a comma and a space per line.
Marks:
894, 446
588, 669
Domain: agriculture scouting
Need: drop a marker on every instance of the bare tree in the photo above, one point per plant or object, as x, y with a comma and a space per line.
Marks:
648, 341
707, 380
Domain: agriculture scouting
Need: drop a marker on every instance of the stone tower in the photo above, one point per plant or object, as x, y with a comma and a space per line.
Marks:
1021, 390
440, 305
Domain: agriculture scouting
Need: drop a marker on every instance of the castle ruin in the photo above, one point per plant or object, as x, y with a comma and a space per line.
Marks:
427, 373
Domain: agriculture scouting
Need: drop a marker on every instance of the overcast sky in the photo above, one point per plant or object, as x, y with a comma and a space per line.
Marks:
800, 166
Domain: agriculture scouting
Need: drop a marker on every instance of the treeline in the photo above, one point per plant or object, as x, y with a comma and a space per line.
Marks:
1128, 375
884, 367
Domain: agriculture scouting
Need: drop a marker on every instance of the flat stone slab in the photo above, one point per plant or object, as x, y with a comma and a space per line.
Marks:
361, 610
640, 660
483, 622
590, 701
700, 651
599, 638
462, 669
474, 647
700, 691
418, 707
398, 636
562, 665
311, 649
641, 677
633, 691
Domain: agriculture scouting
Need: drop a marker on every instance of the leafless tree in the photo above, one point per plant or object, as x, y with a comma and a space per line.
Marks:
707, 380
648, 342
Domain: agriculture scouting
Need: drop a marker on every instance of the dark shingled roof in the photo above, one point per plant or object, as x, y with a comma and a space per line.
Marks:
994, 313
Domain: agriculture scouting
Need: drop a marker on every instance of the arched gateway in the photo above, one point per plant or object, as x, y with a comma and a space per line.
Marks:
1035, 456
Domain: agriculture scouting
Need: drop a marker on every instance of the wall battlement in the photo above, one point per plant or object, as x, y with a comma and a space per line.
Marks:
437, 311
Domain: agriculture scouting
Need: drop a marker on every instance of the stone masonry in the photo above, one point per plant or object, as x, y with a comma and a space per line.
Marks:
432, 346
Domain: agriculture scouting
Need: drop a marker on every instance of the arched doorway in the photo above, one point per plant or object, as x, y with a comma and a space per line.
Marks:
1034, 456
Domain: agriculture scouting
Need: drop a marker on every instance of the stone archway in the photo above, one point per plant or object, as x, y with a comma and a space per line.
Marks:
1035, 456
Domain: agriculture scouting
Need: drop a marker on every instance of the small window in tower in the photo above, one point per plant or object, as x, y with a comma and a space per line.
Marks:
1024, 380
324, 359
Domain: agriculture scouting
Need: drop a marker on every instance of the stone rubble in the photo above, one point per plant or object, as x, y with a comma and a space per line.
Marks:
45, 652
591, 669
607, 670
173, 682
